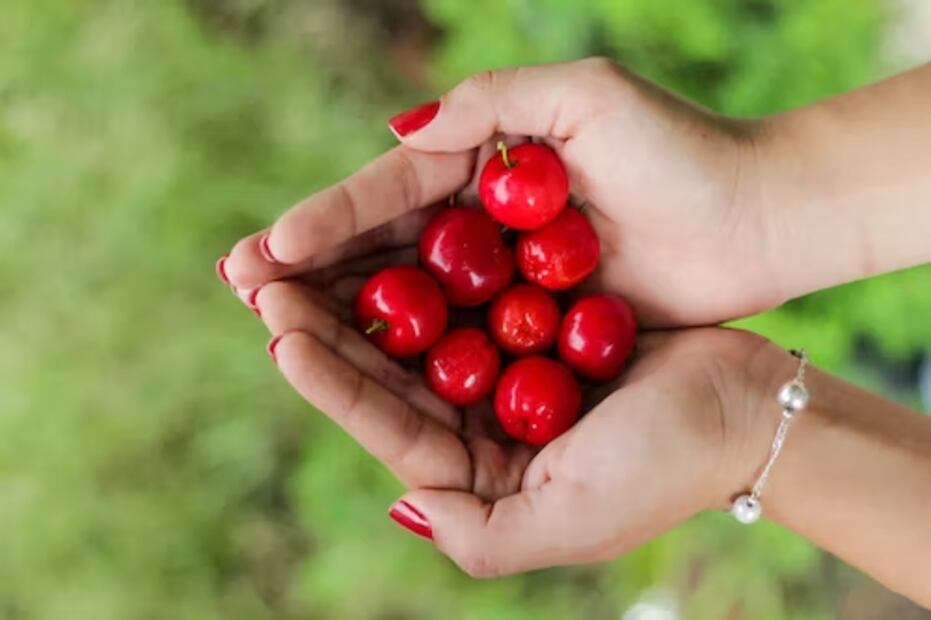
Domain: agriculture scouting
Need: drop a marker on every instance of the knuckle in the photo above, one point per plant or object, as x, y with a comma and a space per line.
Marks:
398, 378
413, 425
276, 294
482, 81
408, 179
479, 565
346, 204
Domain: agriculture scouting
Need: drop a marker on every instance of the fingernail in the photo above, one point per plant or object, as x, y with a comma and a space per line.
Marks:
272, 345
252, 301
266, 250
409, 517
221, 269
414, 119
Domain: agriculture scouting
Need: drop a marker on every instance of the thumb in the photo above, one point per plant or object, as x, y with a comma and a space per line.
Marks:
514, 534
542, 101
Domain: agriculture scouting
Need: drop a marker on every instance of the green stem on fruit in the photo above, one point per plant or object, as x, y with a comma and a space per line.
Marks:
378, 325
504, 155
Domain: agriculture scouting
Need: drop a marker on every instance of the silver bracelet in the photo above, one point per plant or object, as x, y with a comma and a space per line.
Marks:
792, 397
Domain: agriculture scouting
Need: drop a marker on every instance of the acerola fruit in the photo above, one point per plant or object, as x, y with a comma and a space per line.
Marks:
597, 336
524, 320
561, 254
463, 366
402, 310
524, 187
537, 400
462, 248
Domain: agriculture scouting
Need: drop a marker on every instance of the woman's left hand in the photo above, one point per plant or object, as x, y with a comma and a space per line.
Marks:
660, 446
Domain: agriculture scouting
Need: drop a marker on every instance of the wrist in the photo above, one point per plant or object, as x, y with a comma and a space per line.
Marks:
825, 180
757, 195
753, 417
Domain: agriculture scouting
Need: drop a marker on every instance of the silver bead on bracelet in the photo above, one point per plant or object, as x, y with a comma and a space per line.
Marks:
792, 397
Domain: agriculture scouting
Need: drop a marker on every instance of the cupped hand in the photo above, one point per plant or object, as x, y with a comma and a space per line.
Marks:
669, 190
658, 447
672, 190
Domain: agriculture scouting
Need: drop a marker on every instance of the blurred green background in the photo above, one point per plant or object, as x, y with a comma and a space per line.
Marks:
152, 462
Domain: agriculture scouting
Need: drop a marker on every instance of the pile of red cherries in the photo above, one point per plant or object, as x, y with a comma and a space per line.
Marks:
468, 258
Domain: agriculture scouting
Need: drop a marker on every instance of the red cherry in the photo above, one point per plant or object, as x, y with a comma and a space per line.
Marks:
561, 254
524, 320
402, 310
524, 187
463, 249
597, 336
537, 399
463, 366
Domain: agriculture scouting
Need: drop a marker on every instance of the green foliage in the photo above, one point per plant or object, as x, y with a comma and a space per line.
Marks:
736, 56
153, 464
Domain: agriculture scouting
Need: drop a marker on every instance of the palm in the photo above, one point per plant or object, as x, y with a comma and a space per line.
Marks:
661, 180
466, 449
378, 400
429, 444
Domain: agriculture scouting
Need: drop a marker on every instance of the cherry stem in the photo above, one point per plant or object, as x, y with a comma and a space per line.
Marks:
504, 155
378, 325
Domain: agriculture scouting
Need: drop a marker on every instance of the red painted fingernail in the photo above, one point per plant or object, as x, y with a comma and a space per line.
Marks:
265, 250
252, 301
272, 345
414, 119
221, 269
409, 517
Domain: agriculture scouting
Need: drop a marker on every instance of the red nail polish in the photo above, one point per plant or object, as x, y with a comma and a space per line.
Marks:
266, 250
409, 517
252, 301
414, 119
221, 269
272, 345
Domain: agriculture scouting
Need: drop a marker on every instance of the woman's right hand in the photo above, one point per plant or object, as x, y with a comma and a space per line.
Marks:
670, 188
701, 218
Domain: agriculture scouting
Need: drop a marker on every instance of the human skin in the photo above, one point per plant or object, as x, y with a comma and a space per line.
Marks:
701, 219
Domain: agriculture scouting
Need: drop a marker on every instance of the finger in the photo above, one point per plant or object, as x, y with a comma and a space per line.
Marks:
334, 301
290, 306
416, 448
517, 533
543, 101
400, 181
246, 266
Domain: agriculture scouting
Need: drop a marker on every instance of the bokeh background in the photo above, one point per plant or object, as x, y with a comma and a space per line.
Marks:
152, 462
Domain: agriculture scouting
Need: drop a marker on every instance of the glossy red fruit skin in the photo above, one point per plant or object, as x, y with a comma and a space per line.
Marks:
524, 320
561, 254
463, 366
528, 194
411, 305
462, 248
597, 336
537, 399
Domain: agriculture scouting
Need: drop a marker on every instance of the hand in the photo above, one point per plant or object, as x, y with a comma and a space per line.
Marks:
659, 448
670, 189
